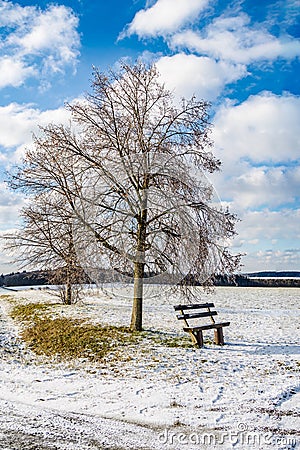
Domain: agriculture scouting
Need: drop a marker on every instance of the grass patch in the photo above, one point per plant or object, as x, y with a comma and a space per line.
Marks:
6, 297
70, 338
28, 312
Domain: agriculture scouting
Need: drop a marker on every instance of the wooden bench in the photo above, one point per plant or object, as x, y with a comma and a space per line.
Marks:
196, 311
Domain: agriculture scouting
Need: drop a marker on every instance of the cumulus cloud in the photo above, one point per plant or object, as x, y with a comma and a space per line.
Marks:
261, 186
233, 39
54, 31
13, 72
258, 143
18, 122
264, 128
35, 42
271, 259
190, 74
13, 14
220, 52
164, 17
17, 125
10, 205
269, 239
269, 225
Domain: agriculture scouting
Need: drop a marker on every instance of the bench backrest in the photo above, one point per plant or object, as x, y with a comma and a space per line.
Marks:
191, 311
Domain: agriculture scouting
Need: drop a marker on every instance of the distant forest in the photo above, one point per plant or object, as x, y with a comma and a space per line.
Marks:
255, 279
261, 279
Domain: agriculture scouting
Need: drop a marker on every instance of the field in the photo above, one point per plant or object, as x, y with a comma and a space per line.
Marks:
152, 395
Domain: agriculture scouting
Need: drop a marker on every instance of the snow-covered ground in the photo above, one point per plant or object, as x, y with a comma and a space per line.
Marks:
245, 395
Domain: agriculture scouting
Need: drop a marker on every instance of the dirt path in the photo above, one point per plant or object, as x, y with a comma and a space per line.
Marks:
11, 347
23, 428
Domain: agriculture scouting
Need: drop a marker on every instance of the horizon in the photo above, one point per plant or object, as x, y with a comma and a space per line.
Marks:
240, 273
242, 57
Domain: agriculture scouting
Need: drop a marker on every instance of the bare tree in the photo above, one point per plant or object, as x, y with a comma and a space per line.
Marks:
45, 242
135, 182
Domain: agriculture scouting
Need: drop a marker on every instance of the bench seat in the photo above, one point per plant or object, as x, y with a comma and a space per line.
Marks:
207, 327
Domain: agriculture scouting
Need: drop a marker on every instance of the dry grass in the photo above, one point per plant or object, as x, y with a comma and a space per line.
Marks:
66, 337
29, 312
70, 338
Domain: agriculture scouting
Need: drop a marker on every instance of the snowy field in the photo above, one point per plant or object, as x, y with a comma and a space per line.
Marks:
245, 395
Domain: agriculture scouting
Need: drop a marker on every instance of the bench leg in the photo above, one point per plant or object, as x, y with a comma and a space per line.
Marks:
199, 338
219, 336
193, 337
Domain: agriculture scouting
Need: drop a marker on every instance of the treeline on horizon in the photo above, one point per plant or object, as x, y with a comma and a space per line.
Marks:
262, 279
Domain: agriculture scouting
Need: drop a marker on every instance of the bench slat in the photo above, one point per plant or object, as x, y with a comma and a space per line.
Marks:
207, 327
196, 315
193, 306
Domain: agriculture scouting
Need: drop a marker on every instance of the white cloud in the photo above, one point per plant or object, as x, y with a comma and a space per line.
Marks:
270, 225
265, 127
217, 54
13, 71
164, 17
270, 240
284, 12
202, 76
52, 31
18, 122
258, 142
232, 39
38, 43
10, 205
12, 14
6, 260
261, 186
270, 259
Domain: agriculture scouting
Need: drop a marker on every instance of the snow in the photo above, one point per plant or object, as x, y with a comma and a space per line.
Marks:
241, 396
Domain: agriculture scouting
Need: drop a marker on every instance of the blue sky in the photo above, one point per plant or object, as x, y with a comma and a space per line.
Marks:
242, 56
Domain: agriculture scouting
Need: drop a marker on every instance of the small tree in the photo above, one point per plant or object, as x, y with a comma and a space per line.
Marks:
45, 242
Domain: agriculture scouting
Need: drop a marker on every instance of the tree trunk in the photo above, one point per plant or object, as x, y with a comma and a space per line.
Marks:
68, 294
137, 307
139, 266
68, 291
70, 270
